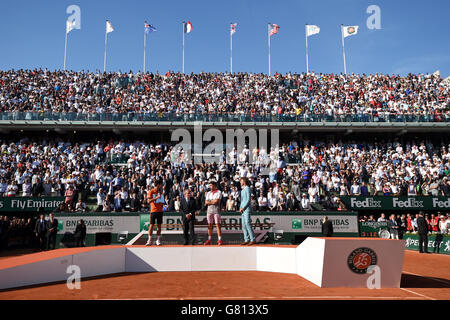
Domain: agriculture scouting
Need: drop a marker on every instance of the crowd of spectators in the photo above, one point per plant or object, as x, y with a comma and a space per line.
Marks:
190, 95
407, 222
16, 230
300, 174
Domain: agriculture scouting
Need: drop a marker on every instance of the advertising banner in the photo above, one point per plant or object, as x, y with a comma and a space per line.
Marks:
396, 203
29, 204
300, 223
437, 243
372, 229
99, 223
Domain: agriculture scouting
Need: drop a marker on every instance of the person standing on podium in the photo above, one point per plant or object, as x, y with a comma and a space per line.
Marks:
188, 208
156, 201
245, 209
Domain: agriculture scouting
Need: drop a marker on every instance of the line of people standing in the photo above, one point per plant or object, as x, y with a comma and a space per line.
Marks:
190, 207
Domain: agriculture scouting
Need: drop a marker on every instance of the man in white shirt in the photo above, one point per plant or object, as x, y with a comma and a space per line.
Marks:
305, 203
212, 202
382, 218
355, 189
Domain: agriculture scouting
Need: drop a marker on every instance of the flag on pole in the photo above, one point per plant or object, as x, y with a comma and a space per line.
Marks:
188, 27
149, 28
312, 30
273, 29
233, 28
109, 27
70, 25
350, 30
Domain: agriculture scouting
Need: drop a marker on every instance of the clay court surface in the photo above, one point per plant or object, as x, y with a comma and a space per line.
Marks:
425, 277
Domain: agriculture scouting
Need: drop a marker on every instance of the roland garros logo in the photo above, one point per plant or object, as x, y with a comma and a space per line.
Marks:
351, 30
360, 259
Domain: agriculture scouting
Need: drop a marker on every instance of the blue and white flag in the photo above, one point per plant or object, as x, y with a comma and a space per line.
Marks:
149, 28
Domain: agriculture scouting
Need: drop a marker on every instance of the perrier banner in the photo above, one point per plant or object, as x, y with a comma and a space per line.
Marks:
46, 204
396, 203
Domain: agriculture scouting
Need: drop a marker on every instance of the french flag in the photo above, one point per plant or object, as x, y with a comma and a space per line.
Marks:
187, 27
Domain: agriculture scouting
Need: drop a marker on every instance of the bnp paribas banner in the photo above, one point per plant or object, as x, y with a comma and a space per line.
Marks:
29, 203
99, 223
301, 223
396, 203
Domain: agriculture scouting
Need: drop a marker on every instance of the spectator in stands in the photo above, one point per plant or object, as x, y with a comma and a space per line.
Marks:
101, 197
393, 227
136, 204
382, 218
414, 223
253, 203
69, 196
292, 203
402, 226
305, 203
3, 187
262, 202
355, 189
11, 190
409, 221
231, 204
80, 206
444, 224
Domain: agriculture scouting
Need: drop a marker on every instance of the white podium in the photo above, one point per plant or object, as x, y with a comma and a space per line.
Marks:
351, 262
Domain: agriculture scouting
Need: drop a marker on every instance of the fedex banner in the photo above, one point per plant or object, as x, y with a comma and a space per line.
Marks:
396, 203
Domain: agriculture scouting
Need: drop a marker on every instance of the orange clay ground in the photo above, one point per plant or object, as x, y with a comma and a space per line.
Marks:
425, 277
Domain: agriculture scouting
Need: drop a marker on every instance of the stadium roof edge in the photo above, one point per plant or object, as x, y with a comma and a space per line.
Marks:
38, 125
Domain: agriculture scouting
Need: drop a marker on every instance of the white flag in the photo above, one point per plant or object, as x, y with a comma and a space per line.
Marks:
311, 30
70, 25
350, 30
109, 27
233, 28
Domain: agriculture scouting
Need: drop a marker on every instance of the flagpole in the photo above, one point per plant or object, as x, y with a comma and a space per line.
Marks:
307, 58
183, 46
106, 44
231, 52
145, 48
268, 35
343, 50
65, 52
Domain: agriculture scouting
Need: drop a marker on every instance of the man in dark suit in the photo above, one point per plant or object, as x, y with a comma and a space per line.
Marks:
41, 231
422, 227
188, 208
80, 233
292, 203
327, 227
52, 230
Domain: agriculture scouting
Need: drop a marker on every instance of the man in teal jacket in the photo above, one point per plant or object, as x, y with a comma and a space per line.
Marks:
245, 209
